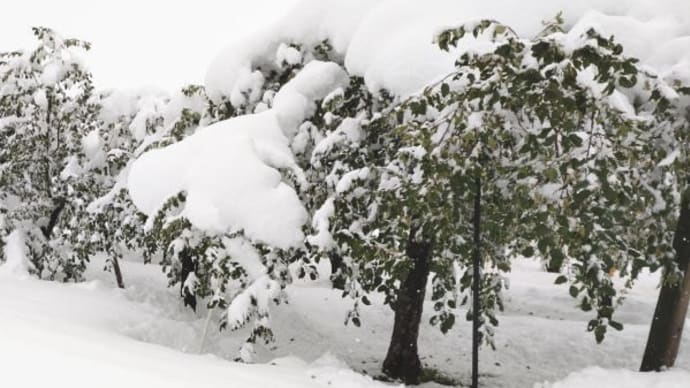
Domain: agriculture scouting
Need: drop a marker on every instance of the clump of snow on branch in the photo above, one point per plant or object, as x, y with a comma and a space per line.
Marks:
312, 22
390, 42
229, 170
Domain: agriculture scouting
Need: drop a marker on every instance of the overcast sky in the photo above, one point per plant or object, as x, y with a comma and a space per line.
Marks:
164, 43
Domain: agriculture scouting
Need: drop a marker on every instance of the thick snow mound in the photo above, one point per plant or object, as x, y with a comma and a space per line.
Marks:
144, 104
229, 170
312, 22
74, 336
390, 42
617, 378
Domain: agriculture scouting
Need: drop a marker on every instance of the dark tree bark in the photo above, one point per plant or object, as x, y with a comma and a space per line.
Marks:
187, 268
118, 272
552, 267
337, 277
47, 230
672, 305
402, 361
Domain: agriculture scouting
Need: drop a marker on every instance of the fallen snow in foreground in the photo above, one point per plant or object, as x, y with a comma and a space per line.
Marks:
75, 336
603, 378
95, 335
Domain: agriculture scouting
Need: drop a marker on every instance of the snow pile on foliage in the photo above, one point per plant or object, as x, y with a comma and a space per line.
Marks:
143, 106
312, 22
139, 104
390, 42
607, 378
230, 170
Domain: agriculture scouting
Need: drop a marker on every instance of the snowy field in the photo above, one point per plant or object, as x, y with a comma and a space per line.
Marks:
93, 334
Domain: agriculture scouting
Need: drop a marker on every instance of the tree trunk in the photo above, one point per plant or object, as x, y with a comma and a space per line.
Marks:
672, 305
552, 267
402, 361
337, 276
54, 218
188, 267
118, 273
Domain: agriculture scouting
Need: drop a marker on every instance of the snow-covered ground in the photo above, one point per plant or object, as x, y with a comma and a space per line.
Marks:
93, 334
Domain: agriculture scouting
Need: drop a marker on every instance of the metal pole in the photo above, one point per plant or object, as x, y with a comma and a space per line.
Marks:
476, 280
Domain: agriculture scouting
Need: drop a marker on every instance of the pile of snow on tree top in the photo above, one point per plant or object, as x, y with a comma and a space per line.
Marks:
390, 42
229, 170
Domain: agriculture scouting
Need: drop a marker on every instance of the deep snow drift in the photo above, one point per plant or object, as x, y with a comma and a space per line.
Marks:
86, 335
93, 334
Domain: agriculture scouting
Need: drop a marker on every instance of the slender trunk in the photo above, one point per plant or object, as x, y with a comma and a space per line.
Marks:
476, 281
337, 277
672, 305
205, 333
552, 266
54, 218
402, 361
118, 273
48, 176
188, 267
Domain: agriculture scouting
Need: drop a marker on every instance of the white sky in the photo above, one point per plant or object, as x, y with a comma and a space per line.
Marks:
162, 43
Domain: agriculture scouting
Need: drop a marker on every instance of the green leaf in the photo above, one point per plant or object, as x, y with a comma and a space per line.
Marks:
447, 323
445, 89
551, 174
561, 279
574, 291
557, 258
500, 29
575, 139
528, 252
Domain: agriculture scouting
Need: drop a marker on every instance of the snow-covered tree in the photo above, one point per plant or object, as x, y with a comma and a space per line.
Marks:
46, 112
226, 271
531, 147
125, 124
209, 266
129, 124
587, 154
